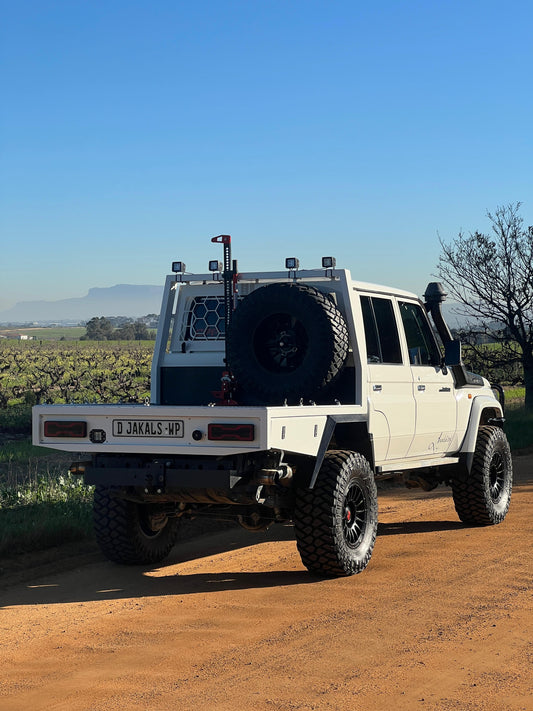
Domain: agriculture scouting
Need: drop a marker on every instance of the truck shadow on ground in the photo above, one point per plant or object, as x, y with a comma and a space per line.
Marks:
111, 583
401, 528
101, 580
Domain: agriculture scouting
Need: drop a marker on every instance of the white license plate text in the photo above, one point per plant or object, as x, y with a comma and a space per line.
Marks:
148, 428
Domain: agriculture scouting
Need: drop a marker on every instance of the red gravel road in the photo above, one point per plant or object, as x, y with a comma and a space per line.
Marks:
440, 620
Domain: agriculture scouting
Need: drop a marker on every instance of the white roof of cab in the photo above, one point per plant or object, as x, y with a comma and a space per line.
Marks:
380, 289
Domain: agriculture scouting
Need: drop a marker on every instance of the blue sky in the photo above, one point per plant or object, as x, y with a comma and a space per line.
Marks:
131, 132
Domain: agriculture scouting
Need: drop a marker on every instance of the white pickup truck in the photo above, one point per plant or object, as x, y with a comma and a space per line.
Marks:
284, 396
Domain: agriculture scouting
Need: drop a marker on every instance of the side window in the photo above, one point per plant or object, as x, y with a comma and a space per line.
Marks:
423, 349
373, 350
381, 332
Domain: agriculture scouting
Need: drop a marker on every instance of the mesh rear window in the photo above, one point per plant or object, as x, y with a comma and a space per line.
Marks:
205, 321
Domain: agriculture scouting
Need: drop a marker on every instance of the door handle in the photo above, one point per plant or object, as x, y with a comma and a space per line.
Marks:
377, 388
444, 390
421, 387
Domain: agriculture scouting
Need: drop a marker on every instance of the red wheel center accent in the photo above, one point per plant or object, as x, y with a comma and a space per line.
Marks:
348, 515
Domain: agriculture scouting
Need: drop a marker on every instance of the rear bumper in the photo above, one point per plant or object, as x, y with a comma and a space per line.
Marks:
140, 429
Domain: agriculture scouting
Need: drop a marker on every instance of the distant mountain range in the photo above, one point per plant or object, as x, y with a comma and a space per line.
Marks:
130, 300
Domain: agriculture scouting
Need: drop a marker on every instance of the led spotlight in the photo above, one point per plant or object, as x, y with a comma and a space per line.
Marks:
178, 267
329, 262
215, 266
292, 263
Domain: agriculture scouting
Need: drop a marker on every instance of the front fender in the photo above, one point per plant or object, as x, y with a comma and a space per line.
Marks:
483, 409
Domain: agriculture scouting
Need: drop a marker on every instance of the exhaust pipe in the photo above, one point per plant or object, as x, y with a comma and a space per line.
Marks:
274, 477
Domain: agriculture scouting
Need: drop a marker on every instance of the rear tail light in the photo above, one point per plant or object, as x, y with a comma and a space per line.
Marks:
65, 428
230, 432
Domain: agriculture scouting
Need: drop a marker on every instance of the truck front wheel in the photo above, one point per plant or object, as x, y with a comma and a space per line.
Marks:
336, 522
131, 533
484, 498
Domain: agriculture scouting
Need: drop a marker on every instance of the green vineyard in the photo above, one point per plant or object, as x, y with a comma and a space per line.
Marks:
74, 372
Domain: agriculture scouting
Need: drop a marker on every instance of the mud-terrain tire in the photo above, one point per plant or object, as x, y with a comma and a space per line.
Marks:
124, 533
484, 498
286, 342
336, 522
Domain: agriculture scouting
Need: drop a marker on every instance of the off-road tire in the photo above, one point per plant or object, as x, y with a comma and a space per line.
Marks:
484, 498
336, 522
286, 342
123, 530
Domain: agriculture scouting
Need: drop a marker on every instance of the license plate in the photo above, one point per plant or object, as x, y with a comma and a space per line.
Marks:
148, 428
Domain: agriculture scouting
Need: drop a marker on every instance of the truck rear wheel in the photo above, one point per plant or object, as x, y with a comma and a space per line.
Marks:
131, 533
336, 522
484, 498
286, 341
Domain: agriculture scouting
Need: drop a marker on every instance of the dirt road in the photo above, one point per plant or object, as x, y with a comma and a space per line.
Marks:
440, 620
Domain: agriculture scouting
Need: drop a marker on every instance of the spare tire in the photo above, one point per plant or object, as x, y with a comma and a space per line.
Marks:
286, 341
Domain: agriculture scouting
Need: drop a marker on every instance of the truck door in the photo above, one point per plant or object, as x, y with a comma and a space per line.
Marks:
433, 389
392, 405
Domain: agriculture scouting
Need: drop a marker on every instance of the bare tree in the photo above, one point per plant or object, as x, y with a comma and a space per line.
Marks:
491, 277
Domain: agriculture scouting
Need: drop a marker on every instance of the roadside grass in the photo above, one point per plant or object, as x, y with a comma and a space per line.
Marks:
21, 451
15, 419
518, 421
519, 428
41, 505
515, 396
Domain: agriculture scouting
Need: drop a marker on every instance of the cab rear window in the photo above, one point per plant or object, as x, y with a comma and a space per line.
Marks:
381, 331
205, 321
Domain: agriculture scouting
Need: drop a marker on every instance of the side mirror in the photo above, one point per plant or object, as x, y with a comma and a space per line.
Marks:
452, 353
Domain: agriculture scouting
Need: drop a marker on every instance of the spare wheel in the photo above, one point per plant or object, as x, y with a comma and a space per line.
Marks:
287, 341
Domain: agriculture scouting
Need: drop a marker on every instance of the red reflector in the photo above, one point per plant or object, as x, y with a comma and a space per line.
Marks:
63, 428
230, 432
